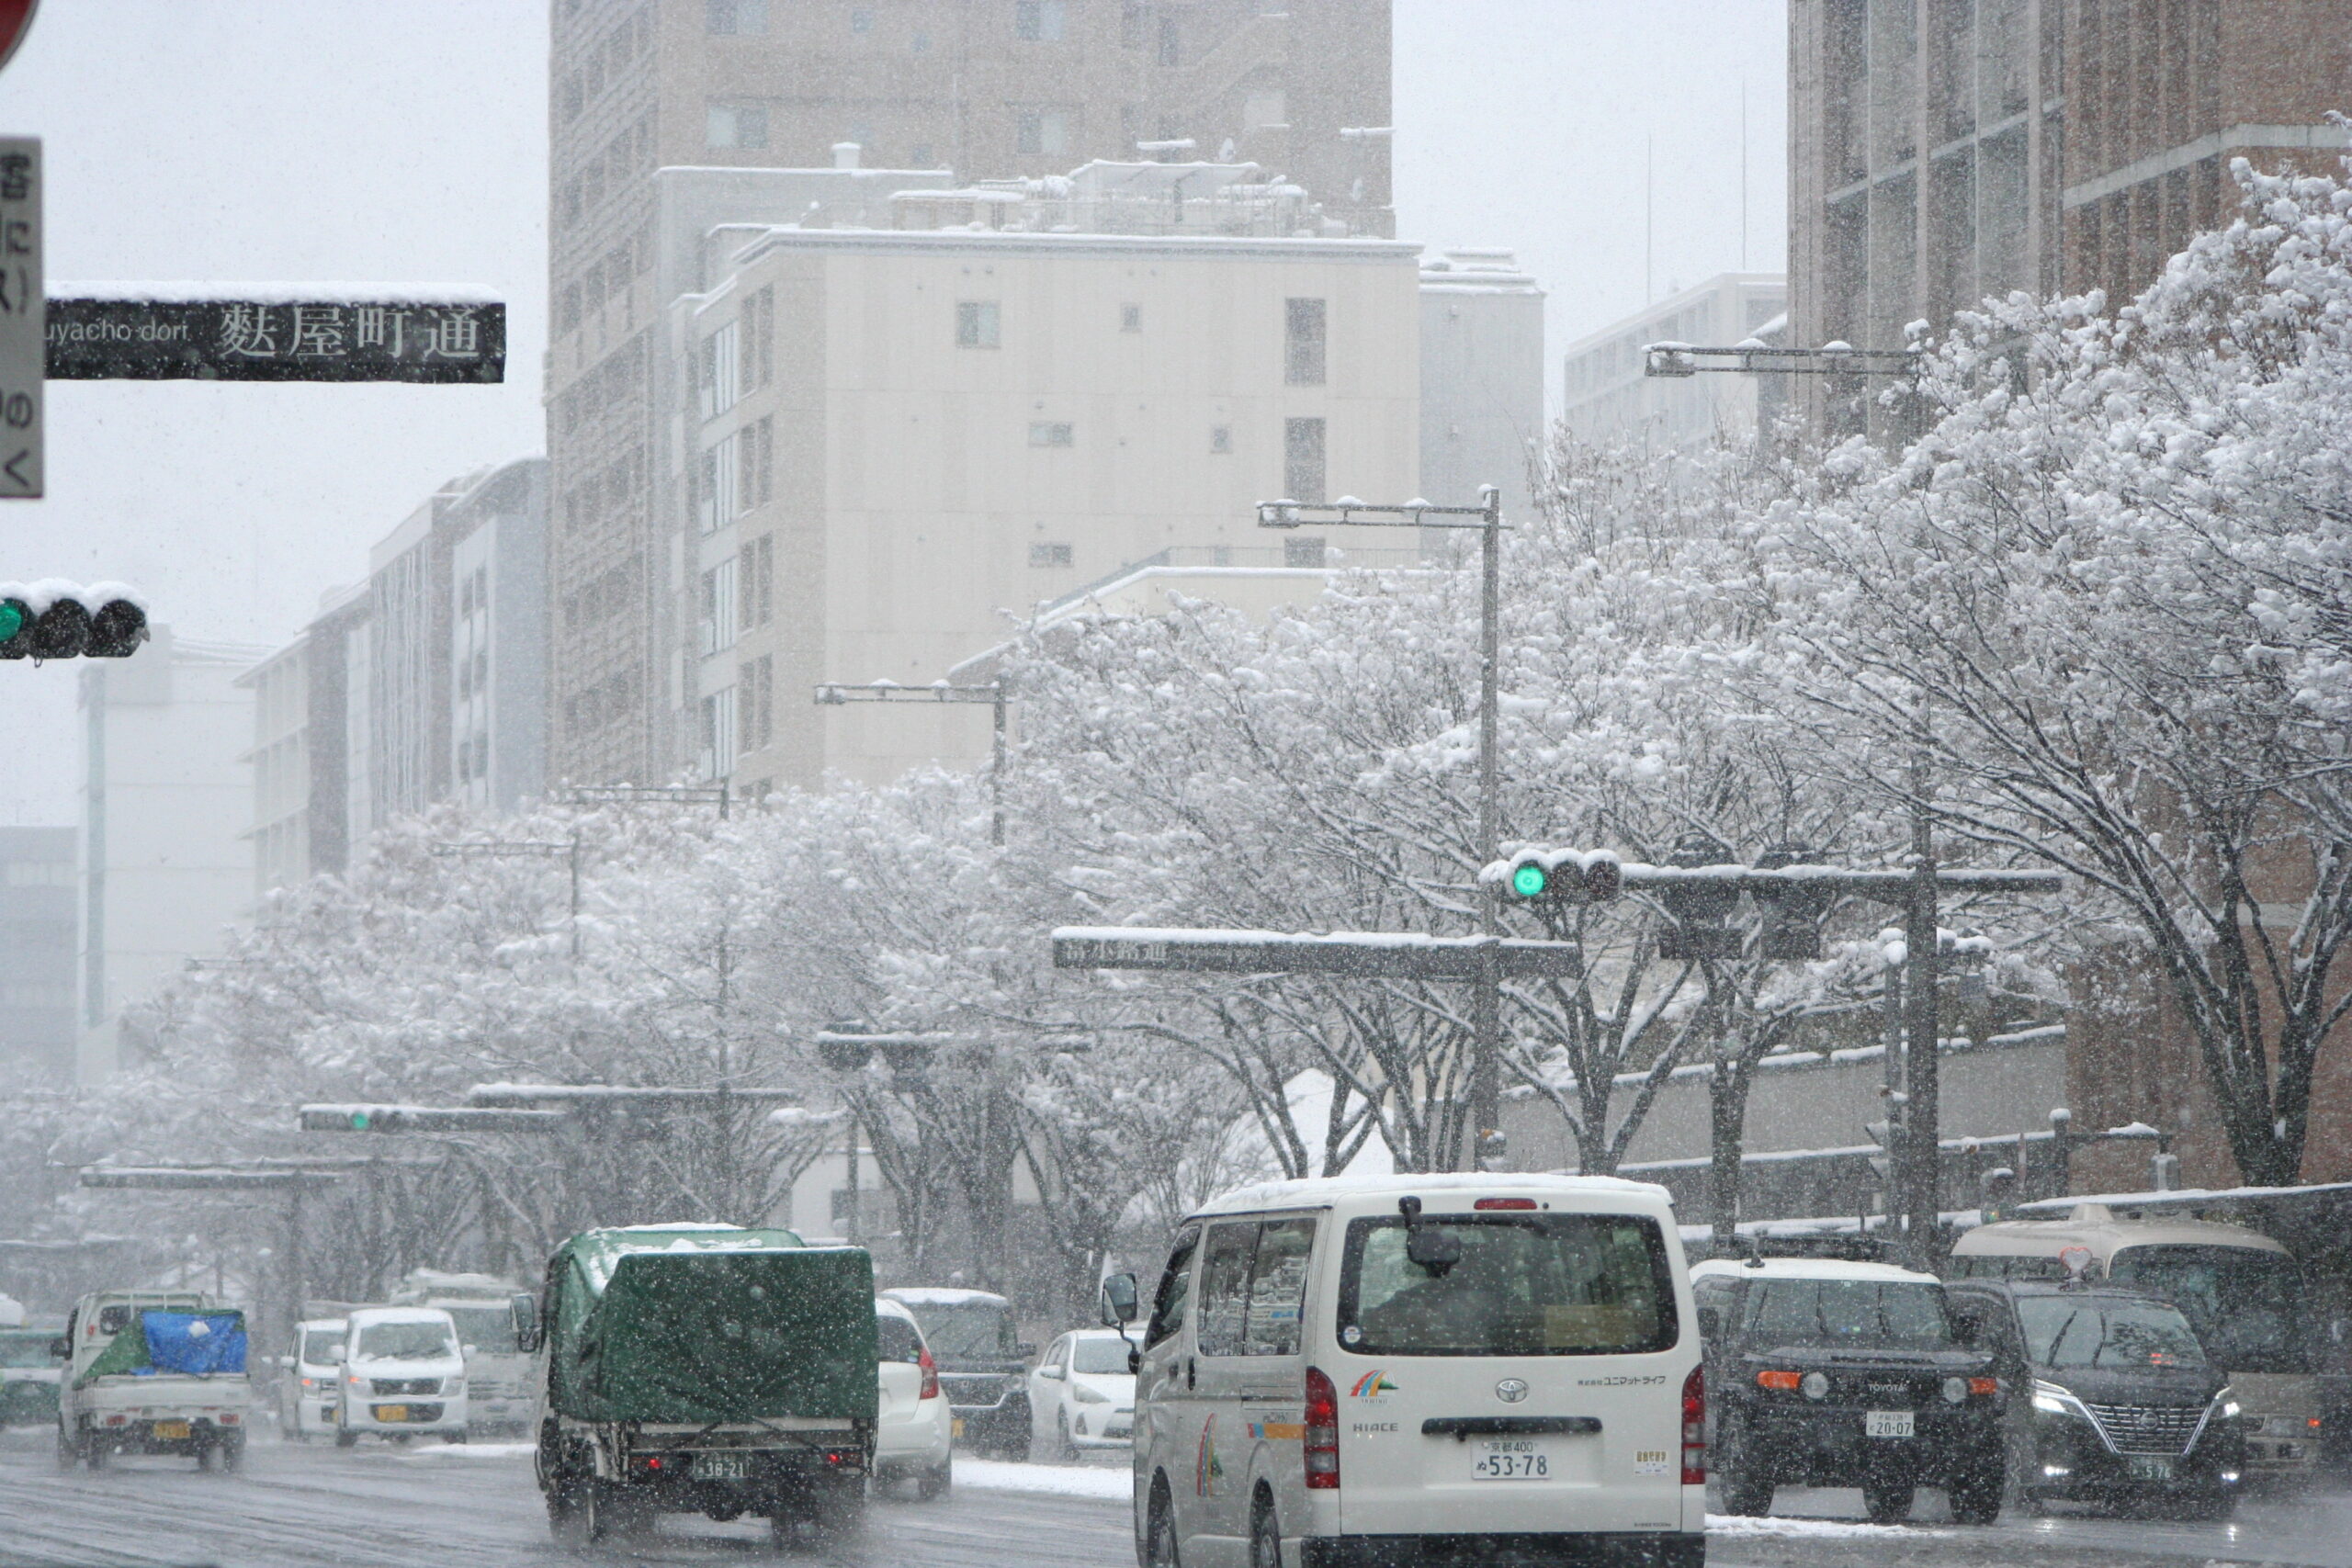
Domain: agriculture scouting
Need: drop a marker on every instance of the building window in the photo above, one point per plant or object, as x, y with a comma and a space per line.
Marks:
1044, 131
1131, 318
1040, 21
1303, 343
737, 125
1049, 555
721, 605
976, 323
735, 18
720, 493
759, 328
1303, 552
759, 584
755, 679
1052, 433
722, 371
1303, 460
1221, 439
760, 483
719, 733
860, 20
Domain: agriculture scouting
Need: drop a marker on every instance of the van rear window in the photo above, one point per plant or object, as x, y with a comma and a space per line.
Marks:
1526, 1285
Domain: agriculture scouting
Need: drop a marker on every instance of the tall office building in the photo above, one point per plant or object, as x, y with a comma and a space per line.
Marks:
1940, 151
37, 956
670, 117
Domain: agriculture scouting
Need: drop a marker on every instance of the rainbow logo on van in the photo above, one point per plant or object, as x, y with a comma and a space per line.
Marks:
1372, 1385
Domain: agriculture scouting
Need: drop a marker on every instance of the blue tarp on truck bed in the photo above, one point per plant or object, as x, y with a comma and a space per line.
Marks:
198, 1343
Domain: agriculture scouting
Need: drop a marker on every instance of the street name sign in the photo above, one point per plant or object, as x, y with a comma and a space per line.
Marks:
151, 333
21, 314
1365, 954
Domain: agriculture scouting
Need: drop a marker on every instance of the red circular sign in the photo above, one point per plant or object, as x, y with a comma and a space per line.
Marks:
16, 19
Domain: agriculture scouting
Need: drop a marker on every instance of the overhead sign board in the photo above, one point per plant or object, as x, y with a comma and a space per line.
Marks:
21, 312
289, 337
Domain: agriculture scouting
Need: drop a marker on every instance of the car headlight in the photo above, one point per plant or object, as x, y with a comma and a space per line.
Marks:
1086, 1395
1956, 1390
2054, 1400
1815, 1385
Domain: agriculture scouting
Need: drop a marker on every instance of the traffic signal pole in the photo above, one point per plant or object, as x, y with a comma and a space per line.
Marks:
1482, 1141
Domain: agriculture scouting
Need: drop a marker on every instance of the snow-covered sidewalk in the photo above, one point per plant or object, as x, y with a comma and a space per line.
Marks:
1061, 1480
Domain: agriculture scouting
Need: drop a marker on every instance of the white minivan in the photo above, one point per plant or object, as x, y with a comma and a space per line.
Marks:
1386, 1371
403, 1375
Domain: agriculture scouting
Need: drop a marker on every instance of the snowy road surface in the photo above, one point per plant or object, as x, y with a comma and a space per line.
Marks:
435, 1507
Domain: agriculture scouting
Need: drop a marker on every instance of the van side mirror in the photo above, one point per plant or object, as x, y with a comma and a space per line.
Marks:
1711, 1323
1118, 1301
60, 1348
528, 1335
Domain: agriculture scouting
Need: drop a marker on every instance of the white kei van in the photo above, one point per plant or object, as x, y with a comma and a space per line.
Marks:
1394, 1370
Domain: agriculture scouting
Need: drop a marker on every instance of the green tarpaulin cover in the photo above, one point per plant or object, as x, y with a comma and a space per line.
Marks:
710, 1323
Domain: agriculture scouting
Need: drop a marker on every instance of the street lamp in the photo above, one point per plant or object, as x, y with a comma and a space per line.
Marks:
1485, 1146
833, 694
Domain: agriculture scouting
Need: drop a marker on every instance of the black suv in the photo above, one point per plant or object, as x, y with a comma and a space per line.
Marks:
1822, 1372
2117, 1401
983, 1368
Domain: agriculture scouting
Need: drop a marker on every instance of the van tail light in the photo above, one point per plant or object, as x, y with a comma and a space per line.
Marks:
1787, 1383
1694, 1428
1322, 1436
1513, 1203
930, 1375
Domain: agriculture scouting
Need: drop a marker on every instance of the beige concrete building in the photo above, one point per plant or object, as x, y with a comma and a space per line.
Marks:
902, 440
669, 117
1605, 396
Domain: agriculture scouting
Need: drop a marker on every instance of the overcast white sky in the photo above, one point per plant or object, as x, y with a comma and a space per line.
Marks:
325, 140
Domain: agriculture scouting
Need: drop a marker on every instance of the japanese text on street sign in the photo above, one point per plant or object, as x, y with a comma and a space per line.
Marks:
21, 310
277, 340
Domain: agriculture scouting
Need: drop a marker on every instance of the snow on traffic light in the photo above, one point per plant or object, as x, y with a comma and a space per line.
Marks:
1565, 876
56, 619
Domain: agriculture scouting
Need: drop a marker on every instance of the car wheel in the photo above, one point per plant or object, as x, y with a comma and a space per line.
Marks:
841, 1513
1747, 1495
1976, 1495
344, 1435
453, 1436
208, 1456
1265, 1534
937, 1482
68, 1451
232, 1455
98, 1454
1887, 1502
1159, 1535
1065, 1451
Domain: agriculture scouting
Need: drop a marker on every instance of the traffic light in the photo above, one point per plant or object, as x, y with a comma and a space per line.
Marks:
1791, 911
1884, 1134
55, 619
1696, 909
1552, 877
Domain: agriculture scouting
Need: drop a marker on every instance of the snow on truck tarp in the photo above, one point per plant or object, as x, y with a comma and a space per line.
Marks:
185, 1344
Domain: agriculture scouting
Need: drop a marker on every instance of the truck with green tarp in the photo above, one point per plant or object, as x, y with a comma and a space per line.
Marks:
705, 1369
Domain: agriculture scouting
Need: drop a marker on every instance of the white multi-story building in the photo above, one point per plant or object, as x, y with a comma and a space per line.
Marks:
1482, 378
166, 859
1605, 396
900, 438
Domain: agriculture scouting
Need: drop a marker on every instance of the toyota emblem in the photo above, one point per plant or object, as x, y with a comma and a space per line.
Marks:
1511, 1390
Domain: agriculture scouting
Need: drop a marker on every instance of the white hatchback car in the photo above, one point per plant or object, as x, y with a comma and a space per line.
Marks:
312, 1380
402, 1375
1081, 1394
916, 1433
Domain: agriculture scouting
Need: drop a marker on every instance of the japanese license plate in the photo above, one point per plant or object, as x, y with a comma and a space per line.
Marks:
171, 1429
958, 1430
391, 1413
1511, 1459
722, 1467
1888, 1423
2148, 1468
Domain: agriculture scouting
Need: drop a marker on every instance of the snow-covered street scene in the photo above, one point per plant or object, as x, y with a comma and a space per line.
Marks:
1235, 783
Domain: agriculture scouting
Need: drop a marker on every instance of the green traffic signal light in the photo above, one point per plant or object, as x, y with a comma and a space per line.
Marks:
1528, 880
12, 619
361, 1121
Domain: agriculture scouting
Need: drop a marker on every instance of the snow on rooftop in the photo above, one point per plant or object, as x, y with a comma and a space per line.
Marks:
188, 293
1806, 1269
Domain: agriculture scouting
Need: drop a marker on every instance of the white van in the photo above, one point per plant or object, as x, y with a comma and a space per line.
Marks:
1365, 1371
313, 1385
2239, 1289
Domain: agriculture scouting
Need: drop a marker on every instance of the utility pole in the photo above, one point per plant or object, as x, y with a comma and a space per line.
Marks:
1482, 1145
1921, 1156
833, 694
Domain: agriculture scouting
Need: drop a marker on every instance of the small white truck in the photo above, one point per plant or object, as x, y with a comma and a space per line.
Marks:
152, 1372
